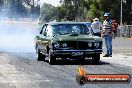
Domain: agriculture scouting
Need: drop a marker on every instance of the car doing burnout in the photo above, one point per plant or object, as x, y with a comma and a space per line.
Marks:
67, 40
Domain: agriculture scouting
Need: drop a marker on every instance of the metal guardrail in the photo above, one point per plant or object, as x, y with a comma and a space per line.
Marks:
125, 31
128, 31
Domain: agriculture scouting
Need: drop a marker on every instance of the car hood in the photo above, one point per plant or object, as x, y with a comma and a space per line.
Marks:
77, 38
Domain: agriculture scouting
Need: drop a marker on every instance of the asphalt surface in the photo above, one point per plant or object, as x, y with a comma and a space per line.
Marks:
20, 68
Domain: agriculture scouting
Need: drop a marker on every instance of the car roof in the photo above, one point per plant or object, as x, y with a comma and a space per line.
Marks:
65, 22
87, 23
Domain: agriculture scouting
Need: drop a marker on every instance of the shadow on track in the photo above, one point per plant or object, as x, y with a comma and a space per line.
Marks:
76, 62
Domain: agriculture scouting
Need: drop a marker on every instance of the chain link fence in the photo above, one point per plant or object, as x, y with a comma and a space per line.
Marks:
125, 31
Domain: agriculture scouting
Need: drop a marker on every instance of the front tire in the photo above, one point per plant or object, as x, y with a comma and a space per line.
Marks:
52, 58
81, 59
96, 58
40, 56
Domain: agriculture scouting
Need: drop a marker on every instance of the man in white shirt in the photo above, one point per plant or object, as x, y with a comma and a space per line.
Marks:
96, 27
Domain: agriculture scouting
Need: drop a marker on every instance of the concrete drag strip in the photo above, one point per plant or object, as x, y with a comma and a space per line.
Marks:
122, 60
22, 72
9, 74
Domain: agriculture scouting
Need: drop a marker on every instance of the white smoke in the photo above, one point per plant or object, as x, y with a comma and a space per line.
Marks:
17, 36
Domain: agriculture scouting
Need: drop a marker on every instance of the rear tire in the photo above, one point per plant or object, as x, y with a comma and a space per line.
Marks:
96, 58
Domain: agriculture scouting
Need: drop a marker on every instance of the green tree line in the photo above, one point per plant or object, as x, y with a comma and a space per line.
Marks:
71, 10
20, 8
86, 10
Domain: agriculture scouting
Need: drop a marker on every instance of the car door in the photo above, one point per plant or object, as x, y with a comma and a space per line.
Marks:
42, 40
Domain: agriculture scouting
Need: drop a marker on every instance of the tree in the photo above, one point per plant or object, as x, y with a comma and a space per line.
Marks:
1, 4
20, 8
74, 9
48, 12
128, 12
86, 10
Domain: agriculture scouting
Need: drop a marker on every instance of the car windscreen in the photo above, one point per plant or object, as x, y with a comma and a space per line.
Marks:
70, 28
89, 24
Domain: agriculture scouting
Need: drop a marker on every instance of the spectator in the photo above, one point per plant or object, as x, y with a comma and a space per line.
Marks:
96, 27
107, 34
114, 28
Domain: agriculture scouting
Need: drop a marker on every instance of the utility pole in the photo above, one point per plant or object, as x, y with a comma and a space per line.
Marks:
122, 1
121, 14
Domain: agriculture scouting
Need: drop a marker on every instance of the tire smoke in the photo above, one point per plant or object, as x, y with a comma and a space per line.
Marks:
17, 36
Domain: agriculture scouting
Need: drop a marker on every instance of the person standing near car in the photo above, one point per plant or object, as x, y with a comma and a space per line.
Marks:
114, 28
107, 34
96, 27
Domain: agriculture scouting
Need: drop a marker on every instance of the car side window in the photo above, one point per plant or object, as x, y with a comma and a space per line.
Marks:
49, 30
43, 29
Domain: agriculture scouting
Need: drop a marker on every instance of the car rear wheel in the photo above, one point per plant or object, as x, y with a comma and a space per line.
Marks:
40, 56
52, 58
96, 58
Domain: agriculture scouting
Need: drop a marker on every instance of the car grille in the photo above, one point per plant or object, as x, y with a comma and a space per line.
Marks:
84, 45
71, 44
79, 45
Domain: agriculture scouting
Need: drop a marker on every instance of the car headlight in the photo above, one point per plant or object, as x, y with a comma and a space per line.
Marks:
56, 45
64, 45
96, 44
90, 44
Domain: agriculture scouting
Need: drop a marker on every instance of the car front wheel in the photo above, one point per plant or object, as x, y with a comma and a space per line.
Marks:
81, 59
52, 58
40, 56
96, 58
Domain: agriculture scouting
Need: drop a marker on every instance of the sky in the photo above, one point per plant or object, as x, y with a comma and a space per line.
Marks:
52, 2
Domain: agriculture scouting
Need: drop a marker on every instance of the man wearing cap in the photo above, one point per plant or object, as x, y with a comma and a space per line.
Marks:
96, 27
107, 34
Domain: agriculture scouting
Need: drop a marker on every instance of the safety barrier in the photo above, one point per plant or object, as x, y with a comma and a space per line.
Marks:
125, 31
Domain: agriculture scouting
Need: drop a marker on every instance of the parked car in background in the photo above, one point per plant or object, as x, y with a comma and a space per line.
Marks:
67, 40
